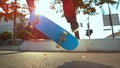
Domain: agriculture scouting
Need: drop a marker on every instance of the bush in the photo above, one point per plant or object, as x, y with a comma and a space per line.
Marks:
24, 35
5, 35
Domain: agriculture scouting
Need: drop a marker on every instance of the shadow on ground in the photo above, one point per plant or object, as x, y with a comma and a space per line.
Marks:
83, 64
8, 53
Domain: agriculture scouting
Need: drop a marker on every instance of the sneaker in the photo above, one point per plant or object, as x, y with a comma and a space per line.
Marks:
77, 35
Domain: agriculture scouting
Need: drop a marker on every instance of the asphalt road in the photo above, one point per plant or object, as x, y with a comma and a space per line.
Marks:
16, 59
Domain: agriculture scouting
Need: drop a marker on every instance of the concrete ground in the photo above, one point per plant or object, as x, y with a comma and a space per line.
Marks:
16, 59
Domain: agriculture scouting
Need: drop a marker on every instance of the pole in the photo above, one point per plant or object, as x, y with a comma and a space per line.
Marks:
88, 25
14, 24
117, 4
111, 21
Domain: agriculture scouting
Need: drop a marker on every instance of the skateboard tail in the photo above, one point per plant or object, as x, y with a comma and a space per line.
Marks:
71, 45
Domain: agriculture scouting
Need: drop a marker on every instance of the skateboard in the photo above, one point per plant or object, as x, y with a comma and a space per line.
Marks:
59, 35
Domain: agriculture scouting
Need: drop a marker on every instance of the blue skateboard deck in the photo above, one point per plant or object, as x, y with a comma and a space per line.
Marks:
59, 35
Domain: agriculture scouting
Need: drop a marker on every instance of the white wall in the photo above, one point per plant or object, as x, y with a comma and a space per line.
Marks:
84, 45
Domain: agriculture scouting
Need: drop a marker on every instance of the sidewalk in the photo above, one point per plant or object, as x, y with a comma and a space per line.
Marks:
13, 48
16, 59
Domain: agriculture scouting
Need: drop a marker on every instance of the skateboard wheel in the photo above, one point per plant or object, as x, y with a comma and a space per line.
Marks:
65, 33
31, 26
57, 46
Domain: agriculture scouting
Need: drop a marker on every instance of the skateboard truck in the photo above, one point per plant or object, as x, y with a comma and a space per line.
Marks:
35, 21
61, 39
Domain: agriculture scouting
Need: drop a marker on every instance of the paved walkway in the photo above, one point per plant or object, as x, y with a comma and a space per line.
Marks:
16, 59
14, 48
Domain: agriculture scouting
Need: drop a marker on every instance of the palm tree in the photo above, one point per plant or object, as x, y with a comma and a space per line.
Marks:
117, 4
112, 2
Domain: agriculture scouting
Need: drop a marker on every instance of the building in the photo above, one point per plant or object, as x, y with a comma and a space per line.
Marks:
6, 26
117, 35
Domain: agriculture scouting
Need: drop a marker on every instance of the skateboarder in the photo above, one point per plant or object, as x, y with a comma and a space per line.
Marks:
69, 12
70, 15
31, 5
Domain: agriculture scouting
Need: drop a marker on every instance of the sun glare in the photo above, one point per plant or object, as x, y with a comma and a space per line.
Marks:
40, 11
42, 7
37, 12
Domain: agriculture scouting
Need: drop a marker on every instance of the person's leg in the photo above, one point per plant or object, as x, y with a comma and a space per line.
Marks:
31, 5
70, 15
75, 28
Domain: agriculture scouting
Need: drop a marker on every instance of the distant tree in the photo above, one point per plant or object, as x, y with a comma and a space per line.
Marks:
10, 13
22, 11
86, 7
5, 35
8, 10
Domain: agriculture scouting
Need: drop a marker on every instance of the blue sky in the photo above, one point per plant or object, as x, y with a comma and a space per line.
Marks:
96, 22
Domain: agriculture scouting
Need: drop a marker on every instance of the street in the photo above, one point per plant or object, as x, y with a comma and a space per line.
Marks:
16, 59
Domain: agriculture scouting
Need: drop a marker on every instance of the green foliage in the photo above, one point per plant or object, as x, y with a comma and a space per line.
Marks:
24, 35
87, 7
5, 35
101, 2
8, 10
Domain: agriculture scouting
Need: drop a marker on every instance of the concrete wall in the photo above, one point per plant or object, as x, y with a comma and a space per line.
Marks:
103, 45
84, 45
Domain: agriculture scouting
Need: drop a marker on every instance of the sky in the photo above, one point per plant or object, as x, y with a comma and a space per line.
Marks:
96, 22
